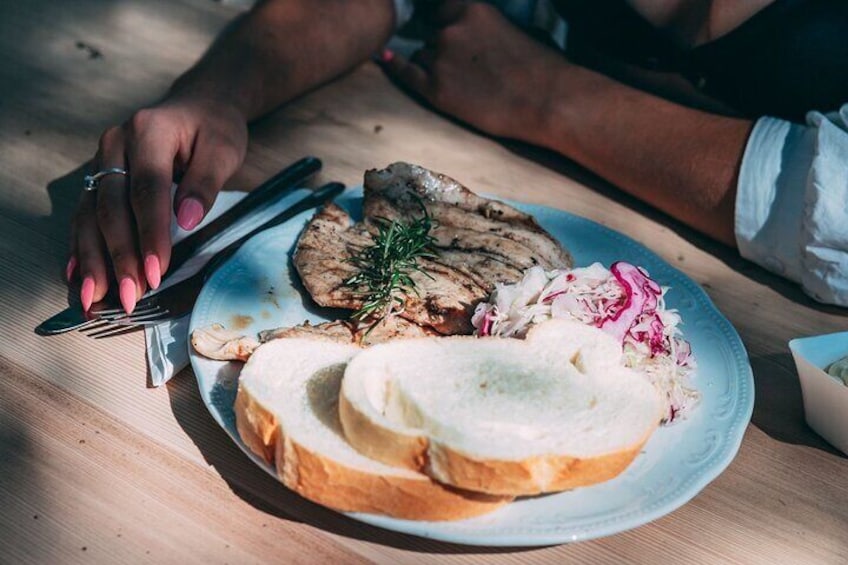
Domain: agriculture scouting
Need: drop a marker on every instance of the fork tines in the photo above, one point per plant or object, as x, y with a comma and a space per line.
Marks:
108, 329
117, 315
114, 321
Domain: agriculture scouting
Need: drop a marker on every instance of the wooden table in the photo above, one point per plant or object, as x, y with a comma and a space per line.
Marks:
97, 467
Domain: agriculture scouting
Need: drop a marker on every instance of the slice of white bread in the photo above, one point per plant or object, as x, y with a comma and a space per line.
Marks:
287, 412
552, 412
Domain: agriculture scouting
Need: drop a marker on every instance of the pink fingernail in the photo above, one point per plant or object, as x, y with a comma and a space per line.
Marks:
153, 271
127, 293
387, 55
190, 213
87, 293
69, 270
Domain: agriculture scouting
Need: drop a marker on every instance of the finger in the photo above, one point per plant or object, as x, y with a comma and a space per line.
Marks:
150, 156
90, 252
213, 161
409, 74
116, 223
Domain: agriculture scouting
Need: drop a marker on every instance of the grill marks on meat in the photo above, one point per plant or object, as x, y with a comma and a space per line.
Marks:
322, 256
480, 242
398, 191
322, 259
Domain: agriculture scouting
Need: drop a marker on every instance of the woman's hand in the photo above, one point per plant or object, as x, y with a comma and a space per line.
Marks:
125, 223
480, 68
272, 53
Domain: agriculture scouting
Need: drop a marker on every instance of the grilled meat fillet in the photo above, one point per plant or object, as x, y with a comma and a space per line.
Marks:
480, 242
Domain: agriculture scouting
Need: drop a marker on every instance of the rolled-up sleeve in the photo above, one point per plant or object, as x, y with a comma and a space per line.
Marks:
792, 202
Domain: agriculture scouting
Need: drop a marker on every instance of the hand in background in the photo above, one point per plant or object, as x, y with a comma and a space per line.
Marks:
125, 223
488, 73
480, 68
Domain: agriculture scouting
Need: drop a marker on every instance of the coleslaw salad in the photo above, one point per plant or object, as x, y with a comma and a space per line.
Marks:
623, 301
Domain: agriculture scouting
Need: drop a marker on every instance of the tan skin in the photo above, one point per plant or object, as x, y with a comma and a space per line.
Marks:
477, 67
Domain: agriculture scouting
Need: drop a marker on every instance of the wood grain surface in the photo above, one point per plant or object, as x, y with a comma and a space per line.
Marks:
97, 467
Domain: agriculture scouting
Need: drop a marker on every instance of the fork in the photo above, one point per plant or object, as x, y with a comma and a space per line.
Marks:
178, 300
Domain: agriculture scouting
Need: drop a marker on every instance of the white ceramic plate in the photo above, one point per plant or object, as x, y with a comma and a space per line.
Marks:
258, 289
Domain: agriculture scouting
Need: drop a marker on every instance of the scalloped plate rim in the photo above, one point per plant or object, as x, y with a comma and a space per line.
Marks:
207, 372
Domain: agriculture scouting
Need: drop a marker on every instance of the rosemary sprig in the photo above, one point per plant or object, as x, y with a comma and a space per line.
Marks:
385, 267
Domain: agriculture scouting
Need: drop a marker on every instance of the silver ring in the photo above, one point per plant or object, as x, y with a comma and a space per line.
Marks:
90, 182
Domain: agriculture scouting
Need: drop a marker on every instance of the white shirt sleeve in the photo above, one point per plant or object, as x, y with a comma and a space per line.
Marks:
792, 202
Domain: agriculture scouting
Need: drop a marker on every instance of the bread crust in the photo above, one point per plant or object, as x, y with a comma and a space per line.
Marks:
535, 475
336, 485
332, 484
256, 425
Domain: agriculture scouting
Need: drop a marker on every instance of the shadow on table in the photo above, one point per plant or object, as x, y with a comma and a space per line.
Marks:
778, 404
24, 498
63, 193
260, 490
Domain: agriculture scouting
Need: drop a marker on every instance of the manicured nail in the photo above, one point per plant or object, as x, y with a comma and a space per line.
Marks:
387, 55
87, 293
127, 293
153, 271
69, 270
190, 213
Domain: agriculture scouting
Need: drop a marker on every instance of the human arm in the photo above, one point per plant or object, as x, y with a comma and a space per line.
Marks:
197, 133
681, 160
488, 73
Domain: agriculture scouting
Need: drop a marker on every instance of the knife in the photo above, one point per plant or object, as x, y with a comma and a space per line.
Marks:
73, 317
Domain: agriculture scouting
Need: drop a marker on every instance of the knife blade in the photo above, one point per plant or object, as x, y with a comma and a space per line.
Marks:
74, 317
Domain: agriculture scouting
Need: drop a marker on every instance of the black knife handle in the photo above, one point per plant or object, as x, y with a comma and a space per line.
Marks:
286, 179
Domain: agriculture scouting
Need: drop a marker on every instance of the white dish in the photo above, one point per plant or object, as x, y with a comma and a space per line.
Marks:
258, 289
825, 397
